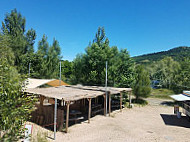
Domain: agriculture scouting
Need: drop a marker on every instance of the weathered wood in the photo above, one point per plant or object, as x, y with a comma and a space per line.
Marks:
121, 101
97, 111
89, 110
41, 100
74, 93
60, 119
41, 104
67, 116
109, 104
130, 93
104, 104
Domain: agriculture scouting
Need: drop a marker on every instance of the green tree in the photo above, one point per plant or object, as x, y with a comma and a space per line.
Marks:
165, 70
122, 69
15, 105
49, 57
5, 50
53, 59
66, 68
181, 79
21, 43
89, 68
141, 87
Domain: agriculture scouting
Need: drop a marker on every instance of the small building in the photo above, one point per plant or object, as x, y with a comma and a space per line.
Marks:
76, 101
185, 100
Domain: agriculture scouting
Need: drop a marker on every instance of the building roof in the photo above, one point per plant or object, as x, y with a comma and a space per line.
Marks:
65, 93
180, 97
73, 93
112, 90
34, 83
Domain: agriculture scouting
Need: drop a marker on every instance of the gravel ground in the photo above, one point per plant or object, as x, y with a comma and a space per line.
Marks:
151, 123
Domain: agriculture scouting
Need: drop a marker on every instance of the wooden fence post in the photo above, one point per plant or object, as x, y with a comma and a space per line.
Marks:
67, 116
120, 101
89, 110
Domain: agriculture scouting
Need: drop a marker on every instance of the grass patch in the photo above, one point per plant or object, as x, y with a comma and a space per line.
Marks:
139, 102
41, 137
161, 93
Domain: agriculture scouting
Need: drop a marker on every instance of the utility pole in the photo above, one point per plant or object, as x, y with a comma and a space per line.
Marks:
106, 86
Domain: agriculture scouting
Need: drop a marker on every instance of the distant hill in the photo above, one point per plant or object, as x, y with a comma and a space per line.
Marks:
177, 54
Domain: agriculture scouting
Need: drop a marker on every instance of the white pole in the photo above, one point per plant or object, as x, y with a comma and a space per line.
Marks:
106, 85
55, 114
60, 74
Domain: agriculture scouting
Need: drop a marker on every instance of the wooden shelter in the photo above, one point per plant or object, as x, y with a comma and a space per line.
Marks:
69, 94
35, 83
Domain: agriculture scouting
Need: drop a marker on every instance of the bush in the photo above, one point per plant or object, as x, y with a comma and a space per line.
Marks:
141, 87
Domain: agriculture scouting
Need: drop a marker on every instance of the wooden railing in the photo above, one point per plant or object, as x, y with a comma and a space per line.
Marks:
186, 108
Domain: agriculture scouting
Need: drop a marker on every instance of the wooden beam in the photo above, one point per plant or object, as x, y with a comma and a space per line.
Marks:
41, 104
67, 116
130, 93
89, 110
104, 104
109, 104
41, 100
121, 101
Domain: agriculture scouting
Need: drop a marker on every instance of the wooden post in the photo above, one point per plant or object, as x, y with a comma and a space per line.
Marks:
120, 101
41, 104
130, 93
67, 116
89, 110
109, 104
104, 104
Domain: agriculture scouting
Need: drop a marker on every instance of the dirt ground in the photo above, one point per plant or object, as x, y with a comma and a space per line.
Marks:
151, 123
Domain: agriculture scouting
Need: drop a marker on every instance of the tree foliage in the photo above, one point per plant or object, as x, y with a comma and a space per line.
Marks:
89, 68
16, 53
15, 106
141, 86
181, 79
164, 70
178, 54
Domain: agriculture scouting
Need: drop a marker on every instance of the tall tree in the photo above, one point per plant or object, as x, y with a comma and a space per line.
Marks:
89, 68
53, 58
141, 87
14, 26
30, 37
5, 49
181, 79
165, 70
15, 106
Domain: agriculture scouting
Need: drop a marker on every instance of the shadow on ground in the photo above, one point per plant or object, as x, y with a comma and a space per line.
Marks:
174, 121
168, 103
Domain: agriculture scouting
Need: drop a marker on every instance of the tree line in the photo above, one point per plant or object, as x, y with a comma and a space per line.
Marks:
172, 74
17, 52
177, 54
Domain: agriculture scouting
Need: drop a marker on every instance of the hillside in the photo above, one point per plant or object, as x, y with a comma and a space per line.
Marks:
177, 54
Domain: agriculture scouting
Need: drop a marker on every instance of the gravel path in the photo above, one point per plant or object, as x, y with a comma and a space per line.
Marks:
152, 123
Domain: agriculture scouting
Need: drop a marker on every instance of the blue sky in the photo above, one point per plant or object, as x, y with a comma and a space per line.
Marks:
141, 26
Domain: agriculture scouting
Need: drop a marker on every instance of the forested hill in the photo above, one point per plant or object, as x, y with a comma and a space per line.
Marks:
177, 54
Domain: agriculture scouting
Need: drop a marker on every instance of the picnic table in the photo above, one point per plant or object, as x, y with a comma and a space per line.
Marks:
75, 115
96, 108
